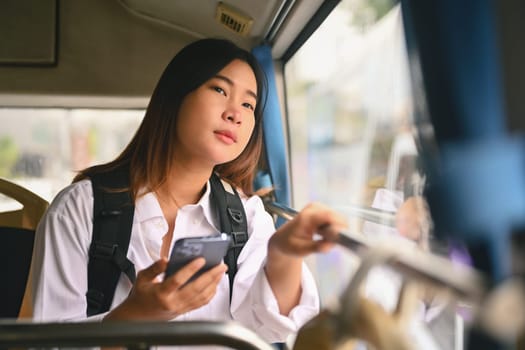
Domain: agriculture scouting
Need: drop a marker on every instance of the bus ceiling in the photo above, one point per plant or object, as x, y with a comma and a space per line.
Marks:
111, 53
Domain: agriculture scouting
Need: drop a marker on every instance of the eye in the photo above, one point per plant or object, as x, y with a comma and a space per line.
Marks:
219, 90
249, 106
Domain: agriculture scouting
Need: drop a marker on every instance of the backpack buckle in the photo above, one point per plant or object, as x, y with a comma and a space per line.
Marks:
102, 250
238, 239
236, 215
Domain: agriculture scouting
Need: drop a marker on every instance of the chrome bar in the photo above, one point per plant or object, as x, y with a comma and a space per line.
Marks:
137, 335
374, 215
280, 210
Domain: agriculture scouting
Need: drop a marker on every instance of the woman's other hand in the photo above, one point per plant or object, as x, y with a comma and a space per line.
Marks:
314, 229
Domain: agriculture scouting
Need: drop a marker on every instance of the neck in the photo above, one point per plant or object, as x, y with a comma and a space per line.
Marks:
184, 187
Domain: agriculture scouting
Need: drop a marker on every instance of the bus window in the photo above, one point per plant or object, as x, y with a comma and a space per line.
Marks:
42, 148
350, 120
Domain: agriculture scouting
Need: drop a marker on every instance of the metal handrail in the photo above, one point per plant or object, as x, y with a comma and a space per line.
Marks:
465, 282
378, 216
133, 334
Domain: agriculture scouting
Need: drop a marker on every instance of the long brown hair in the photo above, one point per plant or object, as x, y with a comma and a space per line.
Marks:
149, 155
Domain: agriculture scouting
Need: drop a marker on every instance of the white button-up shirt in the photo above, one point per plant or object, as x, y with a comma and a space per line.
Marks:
60, 261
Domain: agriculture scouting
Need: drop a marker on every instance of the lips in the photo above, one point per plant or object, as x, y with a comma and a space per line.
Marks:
226, 136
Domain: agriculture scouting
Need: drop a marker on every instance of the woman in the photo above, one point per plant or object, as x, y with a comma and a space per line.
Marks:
204, 116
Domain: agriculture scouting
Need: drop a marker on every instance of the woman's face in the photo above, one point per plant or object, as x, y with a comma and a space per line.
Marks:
217, 119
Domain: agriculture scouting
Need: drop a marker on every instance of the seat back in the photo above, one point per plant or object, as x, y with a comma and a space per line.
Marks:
27, 217
17, 231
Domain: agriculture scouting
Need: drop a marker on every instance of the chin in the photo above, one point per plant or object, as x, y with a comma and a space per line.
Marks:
225, 161
222, 160
222, 157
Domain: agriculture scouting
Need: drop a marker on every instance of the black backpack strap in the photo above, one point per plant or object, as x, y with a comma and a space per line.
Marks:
233, 221
113, 212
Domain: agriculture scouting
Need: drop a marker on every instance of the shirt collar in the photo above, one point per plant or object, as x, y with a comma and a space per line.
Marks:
147, 207
208, 209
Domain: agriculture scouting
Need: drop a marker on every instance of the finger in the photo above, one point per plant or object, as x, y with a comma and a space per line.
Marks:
320, 216
196, 301
152, 271
329, 232
184, 274
198, 295
219, 270
200, 291
210, 277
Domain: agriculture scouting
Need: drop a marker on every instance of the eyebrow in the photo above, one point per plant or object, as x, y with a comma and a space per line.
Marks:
230, 82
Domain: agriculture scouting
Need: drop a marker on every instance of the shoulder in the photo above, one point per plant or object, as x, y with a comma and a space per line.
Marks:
73, 200
250, 203
69, 218
255, 211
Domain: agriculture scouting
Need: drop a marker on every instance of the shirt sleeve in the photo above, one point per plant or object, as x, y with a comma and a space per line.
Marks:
60, 256
253, 302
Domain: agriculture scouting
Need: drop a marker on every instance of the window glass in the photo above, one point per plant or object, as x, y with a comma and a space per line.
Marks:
42, 148
353, 146
351, 129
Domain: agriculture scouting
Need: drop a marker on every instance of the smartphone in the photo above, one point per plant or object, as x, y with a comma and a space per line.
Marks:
211, 248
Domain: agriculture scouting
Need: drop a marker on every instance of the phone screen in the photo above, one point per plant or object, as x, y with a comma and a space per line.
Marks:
211, 248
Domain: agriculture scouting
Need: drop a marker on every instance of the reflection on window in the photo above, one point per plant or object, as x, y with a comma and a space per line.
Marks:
42, 148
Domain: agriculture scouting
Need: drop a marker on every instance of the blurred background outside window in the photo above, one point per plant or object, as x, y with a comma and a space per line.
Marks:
43, 148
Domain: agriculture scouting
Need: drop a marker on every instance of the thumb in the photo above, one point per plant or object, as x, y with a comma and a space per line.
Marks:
152, 271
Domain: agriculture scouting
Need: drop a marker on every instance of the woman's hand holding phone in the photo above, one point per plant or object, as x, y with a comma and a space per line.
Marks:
154, 299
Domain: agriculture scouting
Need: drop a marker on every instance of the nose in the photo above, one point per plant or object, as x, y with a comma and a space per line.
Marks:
232, 115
